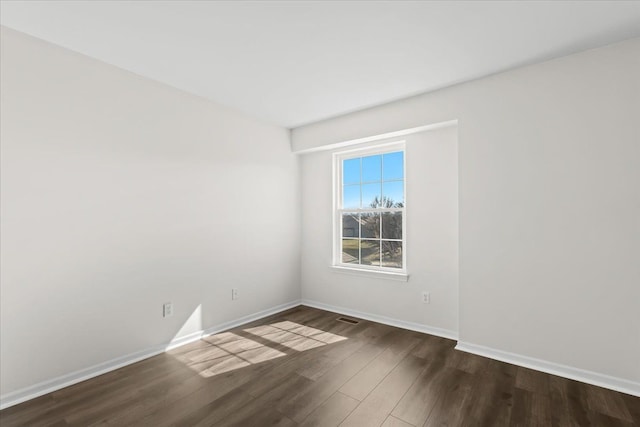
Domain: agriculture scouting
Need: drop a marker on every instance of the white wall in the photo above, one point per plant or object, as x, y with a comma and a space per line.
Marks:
549, 205
119, 194
432, 238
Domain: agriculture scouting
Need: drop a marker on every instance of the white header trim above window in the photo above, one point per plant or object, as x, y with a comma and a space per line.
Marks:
374, 138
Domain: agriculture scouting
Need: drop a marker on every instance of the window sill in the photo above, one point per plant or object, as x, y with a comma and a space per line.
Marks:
387, 275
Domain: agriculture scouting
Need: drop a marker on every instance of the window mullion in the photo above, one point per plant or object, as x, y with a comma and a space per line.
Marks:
380, 233
360, 218
359, 239
380, 214
372, 210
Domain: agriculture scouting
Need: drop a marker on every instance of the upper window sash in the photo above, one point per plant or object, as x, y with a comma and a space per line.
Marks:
361, 180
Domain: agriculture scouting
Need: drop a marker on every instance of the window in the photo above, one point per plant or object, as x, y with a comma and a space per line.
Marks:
369, 219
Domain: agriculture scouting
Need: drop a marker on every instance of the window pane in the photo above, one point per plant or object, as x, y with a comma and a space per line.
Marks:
350, 226
392, 225
393, 194
350, 251
391, 254
351, 197
370, 225
371, 195
372, 168
370, 250
393, 166
351, 171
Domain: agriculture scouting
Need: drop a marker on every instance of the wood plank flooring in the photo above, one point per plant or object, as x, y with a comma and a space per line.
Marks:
302, 367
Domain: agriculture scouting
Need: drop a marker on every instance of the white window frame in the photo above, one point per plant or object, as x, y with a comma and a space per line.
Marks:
359, 269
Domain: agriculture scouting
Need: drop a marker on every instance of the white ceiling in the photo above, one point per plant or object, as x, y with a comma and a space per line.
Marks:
293, 63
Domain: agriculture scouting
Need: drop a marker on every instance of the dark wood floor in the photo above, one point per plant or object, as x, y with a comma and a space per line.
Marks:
303, 367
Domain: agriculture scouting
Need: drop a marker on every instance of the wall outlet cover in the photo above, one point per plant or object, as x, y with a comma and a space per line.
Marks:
167, 309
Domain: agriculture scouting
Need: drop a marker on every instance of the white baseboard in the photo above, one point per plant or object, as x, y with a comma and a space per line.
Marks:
42, 388
431, 330
250, 318
589, 377
195, 336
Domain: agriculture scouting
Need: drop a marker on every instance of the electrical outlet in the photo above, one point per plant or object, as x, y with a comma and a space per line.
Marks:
426, 297
167, 309
234, 294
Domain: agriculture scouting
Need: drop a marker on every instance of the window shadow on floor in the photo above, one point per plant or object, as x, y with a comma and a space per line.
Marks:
243, 347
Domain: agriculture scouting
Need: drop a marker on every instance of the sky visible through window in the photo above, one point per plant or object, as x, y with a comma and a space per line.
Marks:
374, 178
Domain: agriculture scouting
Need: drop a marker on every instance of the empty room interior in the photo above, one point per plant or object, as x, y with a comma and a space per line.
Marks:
307, 213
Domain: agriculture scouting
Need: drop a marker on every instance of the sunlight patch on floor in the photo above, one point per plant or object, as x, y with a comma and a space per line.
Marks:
228, 351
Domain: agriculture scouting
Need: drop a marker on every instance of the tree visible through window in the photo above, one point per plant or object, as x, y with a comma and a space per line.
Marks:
371, 210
